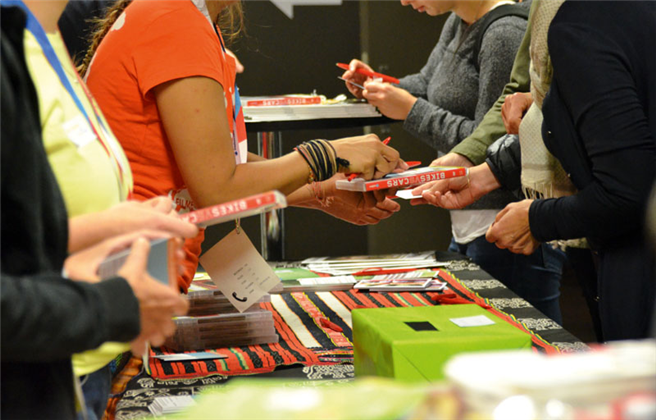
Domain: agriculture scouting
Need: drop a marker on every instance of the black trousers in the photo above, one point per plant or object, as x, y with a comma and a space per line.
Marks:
627, 288
584, 264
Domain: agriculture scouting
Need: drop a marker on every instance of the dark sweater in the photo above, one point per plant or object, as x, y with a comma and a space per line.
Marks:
600, 122
454, 95
600, 119
44, 318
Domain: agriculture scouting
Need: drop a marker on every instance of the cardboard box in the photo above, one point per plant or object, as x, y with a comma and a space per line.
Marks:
414, 343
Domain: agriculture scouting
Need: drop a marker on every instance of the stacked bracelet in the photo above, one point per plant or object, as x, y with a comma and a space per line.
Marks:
311, 175
321, 158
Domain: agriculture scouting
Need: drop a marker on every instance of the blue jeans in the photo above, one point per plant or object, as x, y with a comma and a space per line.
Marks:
96, 388
535, 278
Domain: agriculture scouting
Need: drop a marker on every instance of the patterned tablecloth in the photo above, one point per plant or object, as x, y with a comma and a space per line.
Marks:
309, 351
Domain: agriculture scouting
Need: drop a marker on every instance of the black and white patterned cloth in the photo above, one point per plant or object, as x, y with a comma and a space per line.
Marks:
143, 389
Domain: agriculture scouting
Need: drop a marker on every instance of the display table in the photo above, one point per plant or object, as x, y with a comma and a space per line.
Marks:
308, 351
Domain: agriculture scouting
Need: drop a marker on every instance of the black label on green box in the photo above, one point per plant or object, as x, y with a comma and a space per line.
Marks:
421, 326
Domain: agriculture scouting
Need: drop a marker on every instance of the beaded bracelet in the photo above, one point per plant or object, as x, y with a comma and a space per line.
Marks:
311, 172
321, 158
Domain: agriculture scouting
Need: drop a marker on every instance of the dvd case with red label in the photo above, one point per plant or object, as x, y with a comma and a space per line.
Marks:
403, 180
278, 100
231, 210
224, 330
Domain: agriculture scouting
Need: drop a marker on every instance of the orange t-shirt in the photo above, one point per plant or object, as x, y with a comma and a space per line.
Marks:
152, 43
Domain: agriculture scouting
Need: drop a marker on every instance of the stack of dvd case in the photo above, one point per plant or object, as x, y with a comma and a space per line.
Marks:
213, 322
213, 302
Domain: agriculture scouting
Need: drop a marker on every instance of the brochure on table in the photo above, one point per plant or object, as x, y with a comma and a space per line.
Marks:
304, 107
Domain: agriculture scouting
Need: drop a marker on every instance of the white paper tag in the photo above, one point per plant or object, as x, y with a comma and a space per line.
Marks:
407, 194
472, 321
238, 270
79, 131
311, 281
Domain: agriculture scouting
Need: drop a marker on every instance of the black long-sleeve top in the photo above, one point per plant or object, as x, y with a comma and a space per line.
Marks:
44, 318
600, 119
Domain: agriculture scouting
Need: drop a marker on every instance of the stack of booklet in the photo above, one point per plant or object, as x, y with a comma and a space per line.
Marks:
394, 272
371, 264
298, 279
411, 281
171, 404
303, 107
213, 322
205, 299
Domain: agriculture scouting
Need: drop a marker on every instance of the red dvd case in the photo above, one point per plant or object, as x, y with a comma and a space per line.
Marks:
402, 180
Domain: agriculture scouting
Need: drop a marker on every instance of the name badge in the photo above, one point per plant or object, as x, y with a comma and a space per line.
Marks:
79, 131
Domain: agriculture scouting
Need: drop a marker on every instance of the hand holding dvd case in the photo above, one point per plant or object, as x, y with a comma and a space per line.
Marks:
402, 180
161, 257
162, 262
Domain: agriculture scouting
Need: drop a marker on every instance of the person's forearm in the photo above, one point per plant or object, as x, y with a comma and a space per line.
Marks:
436, 126
60, 317
285, 174
483, 180
491, 128
89, 229
253, 157
415, 84
302, 197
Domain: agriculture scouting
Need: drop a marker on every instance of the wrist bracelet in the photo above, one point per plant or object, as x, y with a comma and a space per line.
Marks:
322, 159
311, 176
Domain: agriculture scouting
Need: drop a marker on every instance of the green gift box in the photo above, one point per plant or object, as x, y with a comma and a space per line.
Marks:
414, 343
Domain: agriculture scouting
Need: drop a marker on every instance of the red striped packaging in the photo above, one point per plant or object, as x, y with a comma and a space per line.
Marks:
283, 100
411, 178
236, 209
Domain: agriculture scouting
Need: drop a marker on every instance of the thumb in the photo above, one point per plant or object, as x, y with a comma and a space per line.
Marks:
138, 258
389, 205
490, 235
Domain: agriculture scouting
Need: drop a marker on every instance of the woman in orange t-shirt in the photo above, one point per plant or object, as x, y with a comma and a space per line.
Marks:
167, 87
